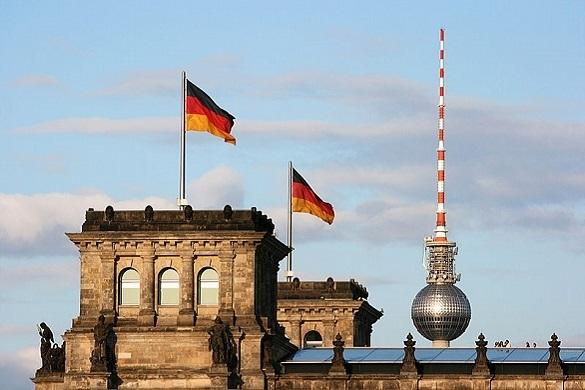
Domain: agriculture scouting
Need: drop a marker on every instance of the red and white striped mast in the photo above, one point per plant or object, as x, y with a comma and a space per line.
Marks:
439, 251
441, 227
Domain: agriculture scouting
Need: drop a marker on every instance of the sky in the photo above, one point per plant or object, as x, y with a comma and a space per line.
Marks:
90, 116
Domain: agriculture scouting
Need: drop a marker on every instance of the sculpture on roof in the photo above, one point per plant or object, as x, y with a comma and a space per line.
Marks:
52, 357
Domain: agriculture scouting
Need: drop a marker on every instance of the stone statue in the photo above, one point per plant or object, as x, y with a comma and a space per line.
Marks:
220, 342
46, 342
52, 358
102, 356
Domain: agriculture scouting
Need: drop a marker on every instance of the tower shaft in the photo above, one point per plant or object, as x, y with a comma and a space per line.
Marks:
441, 225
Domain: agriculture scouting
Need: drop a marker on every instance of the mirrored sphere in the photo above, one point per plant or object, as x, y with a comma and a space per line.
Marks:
441, 312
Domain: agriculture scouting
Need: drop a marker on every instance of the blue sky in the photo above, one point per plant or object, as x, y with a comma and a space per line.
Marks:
90, 117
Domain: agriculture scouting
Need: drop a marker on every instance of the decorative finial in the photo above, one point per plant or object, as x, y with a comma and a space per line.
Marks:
338, 361
555, 364
148, 213
109, 214
188, 213
227, 212
409, 360
481, 366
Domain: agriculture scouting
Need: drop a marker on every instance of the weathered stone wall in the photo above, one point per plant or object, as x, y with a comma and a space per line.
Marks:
167, 346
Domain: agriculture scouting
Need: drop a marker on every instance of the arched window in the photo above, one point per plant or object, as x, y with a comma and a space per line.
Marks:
129, 287
208, 287
168, 285
313, 339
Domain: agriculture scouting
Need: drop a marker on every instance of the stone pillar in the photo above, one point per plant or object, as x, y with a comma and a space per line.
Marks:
554, 373
296, 333
338, 361
90, 283
108, 276
481, 366
328, 332
409, 365
146, 316
226, 284
186, 311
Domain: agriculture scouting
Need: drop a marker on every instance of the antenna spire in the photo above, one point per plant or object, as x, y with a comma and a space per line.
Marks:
441, 227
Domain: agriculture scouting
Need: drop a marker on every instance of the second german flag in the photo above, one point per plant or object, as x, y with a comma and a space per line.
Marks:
202, 114
305, 200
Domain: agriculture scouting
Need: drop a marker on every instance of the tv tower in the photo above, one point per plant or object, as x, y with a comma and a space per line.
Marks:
440, 311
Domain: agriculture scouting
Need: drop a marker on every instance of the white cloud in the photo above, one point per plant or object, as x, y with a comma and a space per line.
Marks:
35, 223
36, 80
17, 367
216, 188
163, 82
98, 125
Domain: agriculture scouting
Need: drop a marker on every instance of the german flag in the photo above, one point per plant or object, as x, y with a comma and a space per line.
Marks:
202, 114
305, 200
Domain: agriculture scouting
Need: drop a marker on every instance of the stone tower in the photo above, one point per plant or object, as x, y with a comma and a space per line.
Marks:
175, 299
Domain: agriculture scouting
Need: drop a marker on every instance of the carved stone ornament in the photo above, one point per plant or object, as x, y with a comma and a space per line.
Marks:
338, 366
148, 213
296, 283
338, 350
227, 212
330, 283
188, 213
554, 366
409, 360
109, 214
481, 361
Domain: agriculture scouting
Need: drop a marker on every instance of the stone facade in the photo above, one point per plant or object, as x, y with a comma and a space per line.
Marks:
407, 373
128, 337
168, 346
325, 309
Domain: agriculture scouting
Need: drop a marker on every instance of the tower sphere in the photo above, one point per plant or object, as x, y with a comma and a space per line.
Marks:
441, 312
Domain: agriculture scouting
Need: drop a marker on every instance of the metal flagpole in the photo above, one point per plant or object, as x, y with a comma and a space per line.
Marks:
289, 270
181, 201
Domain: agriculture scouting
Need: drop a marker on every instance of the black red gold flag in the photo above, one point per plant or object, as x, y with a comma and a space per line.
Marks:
203, 114
305, 200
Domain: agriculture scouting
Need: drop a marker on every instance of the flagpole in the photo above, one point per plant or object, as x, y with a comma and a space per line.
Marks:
289, 270
181, 201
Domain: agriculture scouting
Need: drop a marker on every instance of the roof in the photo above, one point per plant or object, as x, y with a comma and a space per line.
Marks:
436, 355
187, 220
328, 289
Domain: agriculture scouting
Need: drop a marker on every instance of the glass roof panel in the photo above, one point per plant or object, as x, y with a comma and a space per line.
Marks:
573, 355
386, 355
427, 354
357, 354
313, 355
526, 355
498, 354
456, 355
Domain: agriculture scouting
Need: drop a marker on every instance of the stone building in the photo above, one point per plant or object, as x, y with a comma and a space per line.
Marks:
312, 312
160, 279
188, 300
